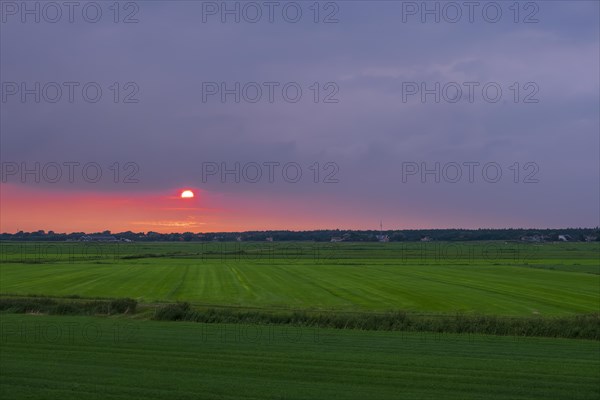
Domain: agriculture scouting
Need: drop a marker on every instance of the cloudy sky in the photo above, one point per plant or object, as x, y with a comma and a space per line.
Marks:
291, 115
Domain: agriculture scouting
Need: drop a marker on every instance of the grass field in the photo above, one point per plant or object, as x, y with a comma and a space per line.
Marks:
117, 358
289, 292
485, 278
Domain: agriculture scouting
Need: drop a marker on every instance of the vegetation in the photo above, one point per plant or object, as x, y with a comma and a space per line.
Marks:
576, 327
299, 320
487, 278
46, 305
107, 358
395, 235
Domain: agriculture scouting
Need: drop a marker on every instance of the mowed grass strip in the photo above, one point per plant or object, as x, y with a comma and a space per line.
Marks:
486, 289
111, 358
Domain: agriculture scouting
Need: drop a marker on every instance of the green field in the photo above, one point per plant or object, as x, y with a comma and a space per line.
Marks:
429, 288
116, 358
485, 278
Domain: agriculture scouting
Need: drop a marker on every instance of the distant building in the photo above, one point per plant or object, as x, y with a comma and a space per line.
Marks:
337, 239
270, 239
426, 239
381, 237
590, 238
565, 238
239, 238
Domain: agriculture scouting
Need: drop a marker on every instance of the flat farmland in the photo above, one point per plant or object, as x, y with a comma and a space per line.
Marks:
486, 278
117, 358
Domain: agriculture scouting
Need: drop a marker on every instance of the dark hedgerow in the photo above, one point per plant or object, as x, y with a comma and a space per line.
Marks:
46, 305
173, 312
123, 306
26, 305
585, 326
574, 327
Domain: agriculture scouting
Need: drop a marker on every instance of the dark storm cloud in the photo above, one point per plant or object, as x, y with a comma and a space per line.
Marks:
370, 54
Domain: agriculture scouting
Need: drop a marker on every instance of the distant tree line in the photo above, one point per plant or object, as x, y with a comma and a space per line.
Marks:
572, 234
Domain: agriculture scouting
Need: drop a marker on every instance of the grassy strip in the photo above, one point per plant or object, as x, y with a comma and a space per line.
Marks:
586, 326
50, 306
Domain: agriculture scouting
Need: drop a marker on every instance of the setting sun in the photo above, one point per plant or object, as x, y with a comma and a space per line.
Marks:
187, 194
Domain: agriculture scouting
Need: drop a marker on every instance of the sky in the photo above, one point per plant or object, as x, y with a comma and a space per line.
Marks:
299, 115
